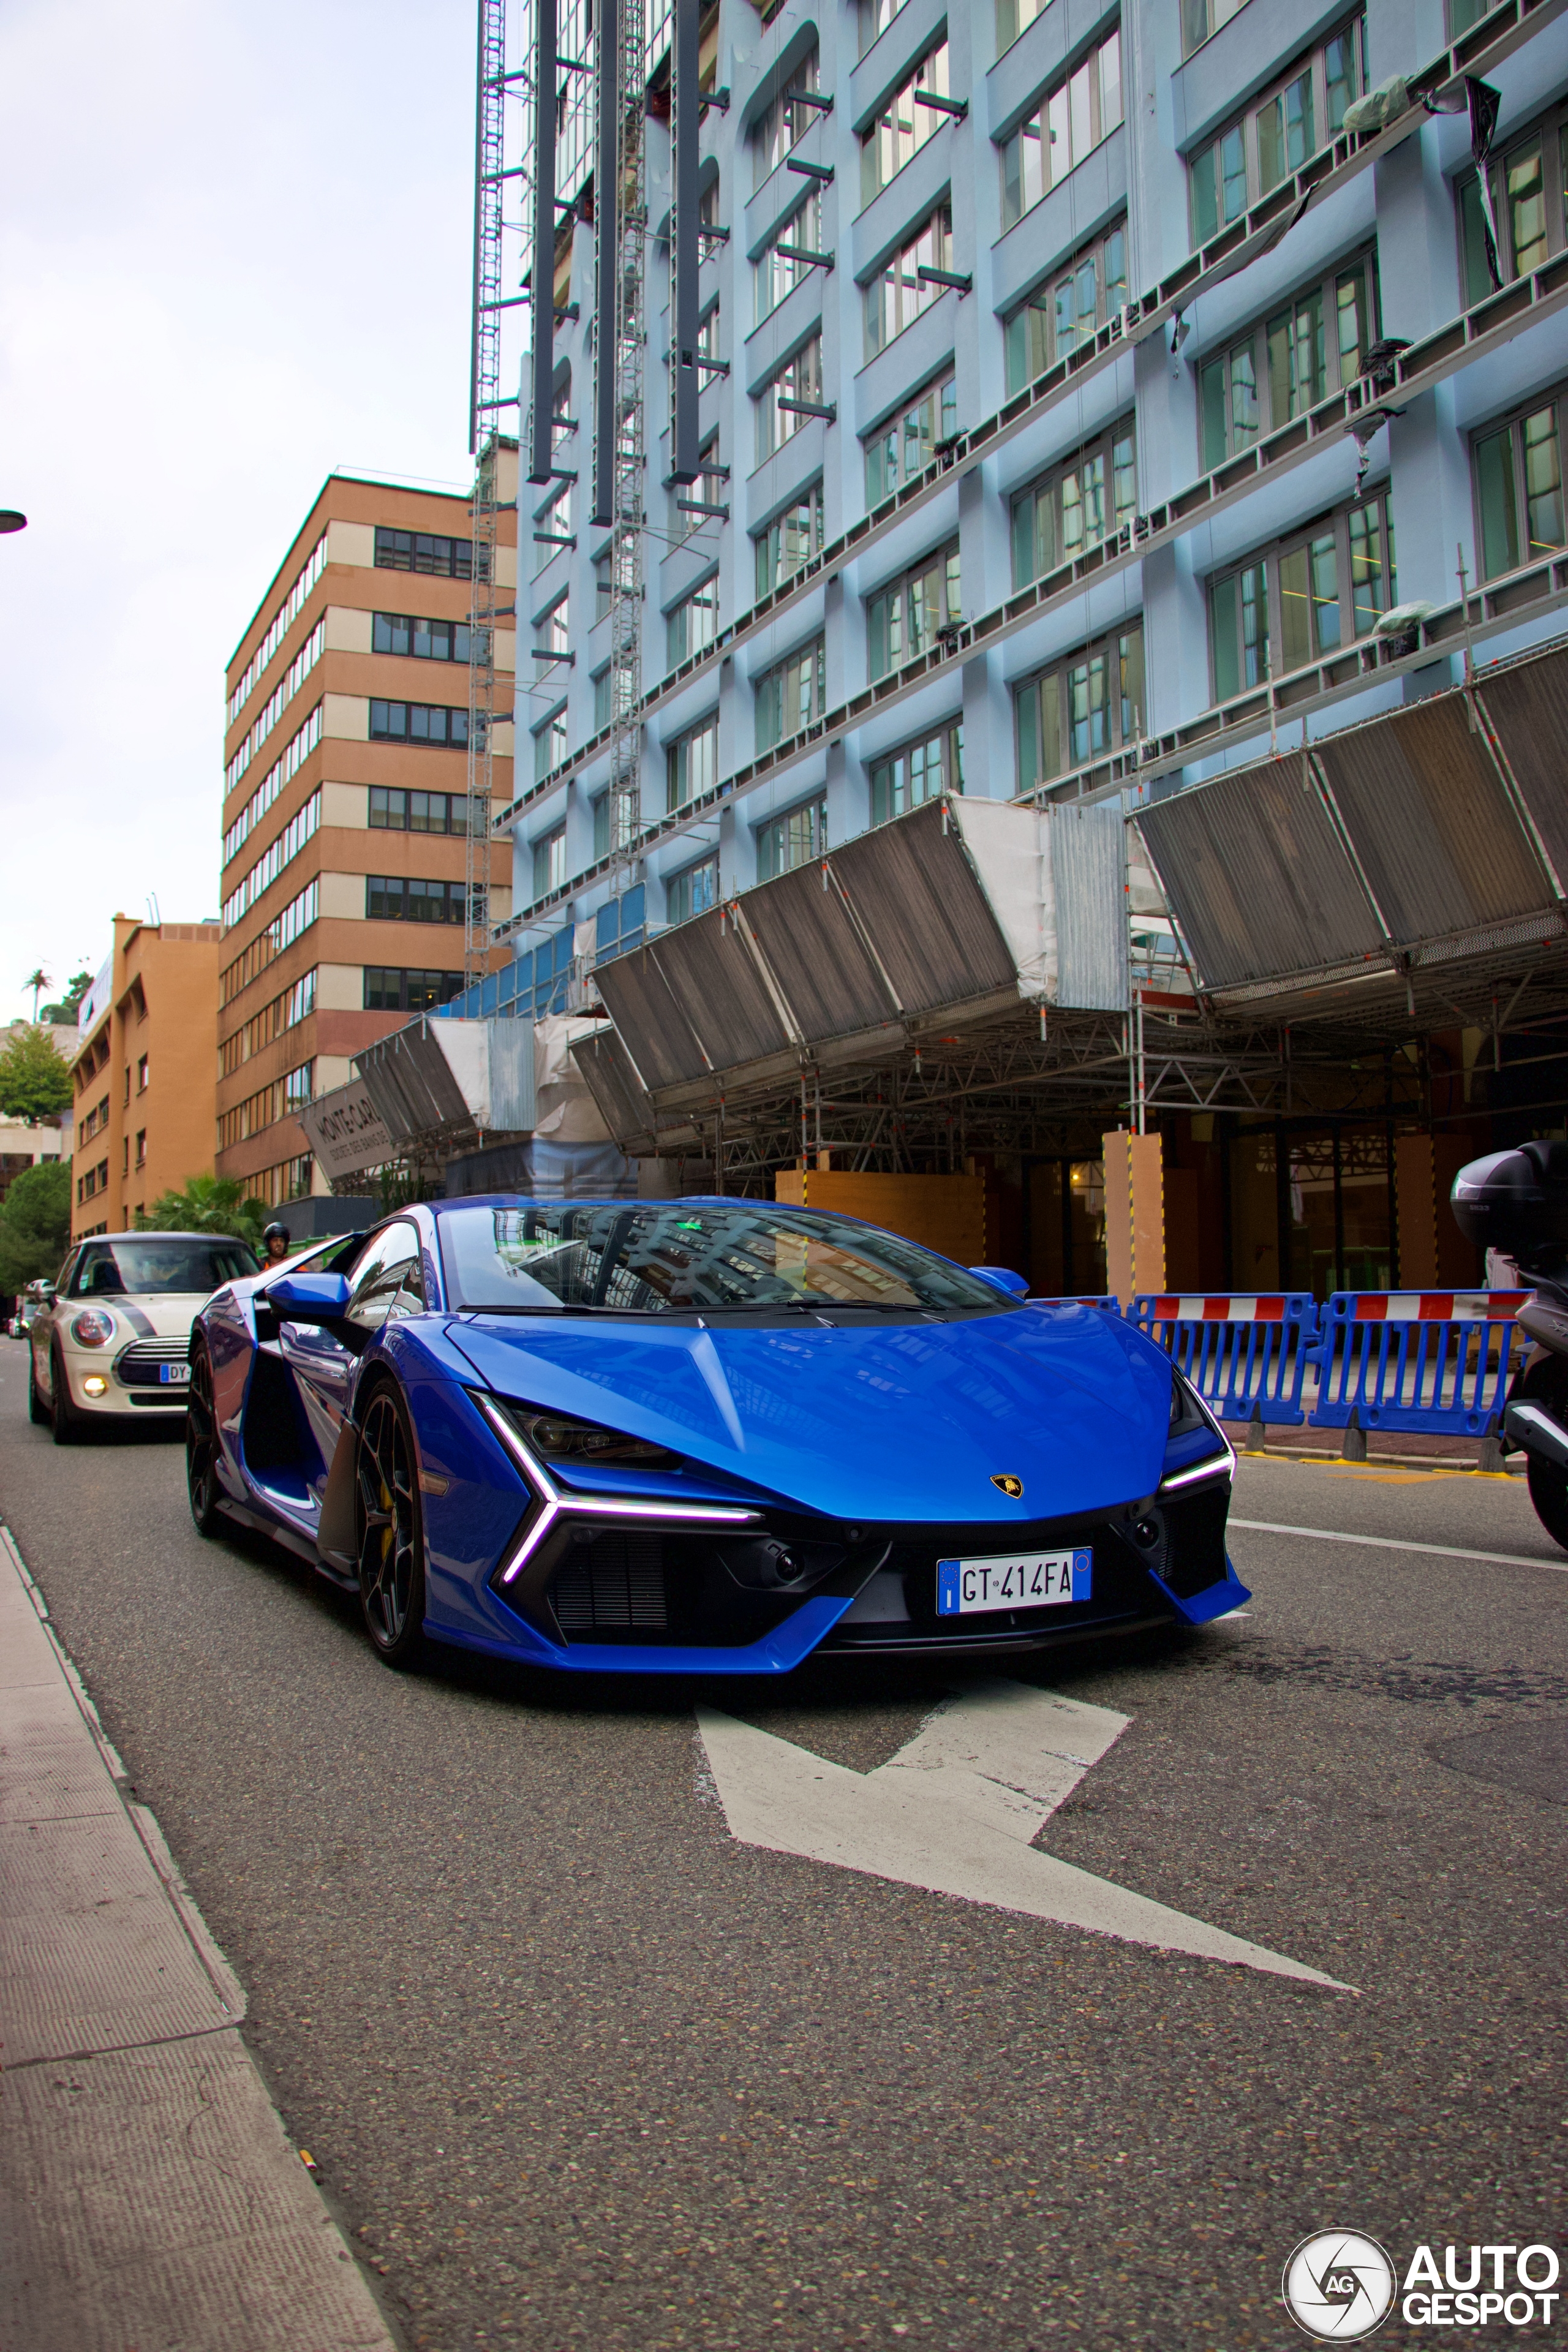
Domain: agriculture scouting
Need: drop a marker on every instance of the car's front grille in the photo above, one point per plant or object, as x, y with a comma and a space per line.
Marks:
140, 1365
613, 1585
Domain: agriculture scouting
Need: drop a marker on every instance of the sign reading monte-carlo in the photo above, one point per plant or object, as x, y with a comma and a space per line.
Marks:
345, 1130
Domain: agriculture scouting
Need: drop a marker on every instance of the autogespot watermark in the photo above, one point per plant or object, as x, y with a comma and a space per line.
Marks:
1340, 2285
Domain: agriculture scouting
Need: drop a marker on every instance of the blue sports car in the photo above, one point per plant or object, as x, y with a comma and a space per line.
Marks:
702, 1436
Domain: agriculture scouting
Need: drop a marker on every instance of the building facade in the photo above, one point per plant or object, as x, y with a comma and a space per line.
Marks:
345, 803
144, 1072
1001, 317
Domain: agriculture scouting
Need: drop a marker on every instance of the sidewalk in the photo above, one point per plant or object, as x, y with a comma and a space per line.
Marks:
150, 2200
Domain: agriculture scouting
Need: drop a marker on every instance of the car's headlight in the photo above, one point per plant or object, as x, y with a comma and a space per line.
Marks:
581, 1445
1189, 1416
94, 1328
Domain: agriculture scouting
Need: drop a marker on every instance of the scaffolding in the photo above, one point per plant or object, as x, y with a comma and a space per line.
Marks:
621, 215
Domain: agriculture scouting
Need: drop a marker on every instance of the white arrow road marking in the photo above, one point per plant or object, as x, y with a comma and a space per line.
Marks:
955, 1812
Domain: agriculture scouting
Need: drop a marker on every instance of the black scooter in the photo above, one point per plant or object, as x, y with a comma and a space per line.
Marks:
1517, 1201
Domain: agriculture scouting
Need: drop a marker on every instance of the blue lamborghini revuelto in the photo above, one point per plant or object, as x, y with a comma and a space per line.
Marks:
702, 1436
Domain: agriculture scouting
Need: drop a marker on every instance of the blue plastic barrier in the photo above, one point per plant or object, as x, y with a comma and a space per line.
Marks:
1246, 1354
1417, 1359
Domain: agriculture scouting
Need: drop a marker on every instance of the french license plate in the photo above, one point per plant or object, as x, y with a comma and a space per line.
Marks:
174, 1376
1038, 1580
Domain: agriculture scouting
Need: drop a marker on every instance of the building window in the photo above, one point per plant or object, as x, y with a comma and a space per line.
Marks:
1285, 363
786, 120
903, 286
692, 891
1529, 185
1518, 470
423, 551
904, 123
1201, 17
791, 540
1082, 708
1275, 136
876, 16
694, 622
792, 840
916, 773
693, 764
790, 399
907, 617
1015, 16
390, 990
705, 491
907, 444
553, 630
400, 633
409, 899
297, 1087
281, 932
1065, 311
779, 273
552, 743
141, 1147
1291, 603
552, 522
416, 723
549, 862
1068, 123
792, 695
278, 629
1076, 505
141, 1075
392, 810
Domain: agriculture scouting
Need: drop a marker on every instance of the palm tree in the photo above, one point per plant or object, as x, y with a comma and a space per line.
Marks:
37, 981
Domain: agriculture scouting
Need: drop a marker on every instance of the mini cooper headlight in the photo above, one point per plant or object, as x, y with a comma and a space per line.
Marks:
557, 1437
94, 1328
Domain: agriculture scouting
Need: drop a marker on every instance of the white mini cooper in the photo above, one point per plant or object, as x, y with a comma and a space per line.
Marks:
113, 1342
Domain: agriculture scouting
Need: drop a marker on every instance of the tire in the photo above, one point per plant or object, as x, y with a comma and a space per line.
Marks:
1547, 1382
62, 1412
37, 1411
201, 1447
389, 1530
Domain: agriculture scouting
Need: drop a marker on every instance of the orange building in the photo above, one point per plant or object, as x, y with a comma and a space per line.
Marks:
345, 800
144, 1072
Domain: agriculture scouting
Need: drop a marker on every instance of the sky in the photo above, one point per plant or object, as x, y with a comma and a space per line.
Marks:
235, 250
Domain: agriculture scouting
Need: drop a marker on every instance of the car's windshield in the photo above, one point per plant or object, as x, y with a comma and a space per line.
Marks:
160, 1262
712, 1257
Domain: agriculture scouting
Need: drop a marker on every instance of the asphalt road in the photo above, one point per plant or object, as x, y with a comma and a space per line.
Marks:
580, 2070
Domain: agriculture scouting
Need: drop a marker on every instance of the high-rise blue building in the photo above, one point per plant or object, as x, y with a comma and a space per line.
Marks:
1094, 402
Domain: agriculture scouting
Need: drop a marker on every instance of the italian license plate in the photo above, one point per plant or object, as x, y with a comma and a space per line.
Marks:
1038, 1580
174, 1376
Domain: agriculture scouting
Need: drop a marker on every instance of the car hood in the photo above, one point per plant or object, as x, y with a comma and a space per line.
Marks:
891, 1422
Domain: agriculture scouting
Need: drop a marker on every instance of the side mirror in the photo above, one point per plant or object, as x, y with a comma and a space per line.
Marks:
309, 1297
1003, 1278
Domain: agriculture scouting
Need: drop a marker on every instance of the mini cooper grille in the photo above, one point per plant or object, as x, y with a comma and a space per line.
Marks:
613, 1585
138, 1367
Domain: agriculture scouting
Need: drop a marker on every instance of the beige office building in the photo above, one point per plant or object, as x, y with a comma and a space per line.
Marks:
346, 795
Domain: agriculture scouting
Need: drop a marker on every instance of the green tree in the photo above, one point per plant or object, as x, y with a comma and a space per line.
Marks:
37, 979
64, 1013
35, 1084
209, 1205
35, 1224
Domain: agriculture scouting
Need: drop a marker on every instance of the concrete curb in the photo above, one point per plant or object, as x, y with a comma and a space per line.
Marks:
150, 2193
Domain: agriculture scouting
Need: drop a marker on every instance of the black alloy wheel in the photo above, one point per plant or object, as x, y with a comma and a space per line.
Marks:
37, 1411
201, 1445
389, 1529
62, 1412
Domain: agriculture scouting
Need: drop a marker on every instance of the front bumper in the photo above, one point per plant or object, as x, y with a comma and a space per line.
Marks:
645, 1599
132, 1374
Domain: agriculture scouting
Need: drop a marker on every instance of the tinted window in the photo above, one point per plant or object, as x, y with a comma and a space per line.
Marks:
159, 1263
713, 1257
389, 1263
